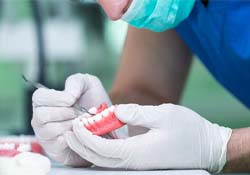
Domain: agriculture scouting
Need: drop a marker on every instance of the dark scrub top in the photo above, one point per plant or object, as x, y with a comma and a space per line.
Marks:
219, 34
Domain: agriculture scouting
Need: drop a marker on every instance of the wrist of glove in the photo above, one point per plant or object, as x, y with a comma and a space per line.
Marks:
178, 138
53, 113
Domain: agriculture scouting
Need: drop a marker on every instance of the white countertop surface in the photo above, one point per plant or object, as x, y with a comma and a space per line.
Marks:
60, 170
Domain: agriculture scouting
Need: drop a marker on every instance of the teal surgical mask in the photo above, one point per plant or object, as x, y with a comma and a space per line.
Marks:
158, 15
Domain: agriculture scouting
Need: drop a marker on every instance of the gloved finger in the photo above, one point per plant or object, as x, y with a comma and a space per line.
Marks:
55, 148
52, 130
89, 154
51, 97
102, 146
59, 150
78, 84
89, 88
75, 160
137, 115
43, 115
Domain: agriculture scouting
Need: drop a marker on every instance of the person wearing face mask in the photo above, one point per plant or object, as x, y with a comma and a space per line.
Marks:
162, 37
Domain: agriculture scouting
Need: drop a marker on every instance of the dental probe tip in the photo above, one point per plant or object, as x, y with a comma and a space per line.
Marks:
34, 84
24, 78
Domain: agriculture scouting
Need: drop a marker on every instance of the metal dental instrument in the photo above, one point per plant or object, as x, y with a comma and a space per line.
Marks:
38, 85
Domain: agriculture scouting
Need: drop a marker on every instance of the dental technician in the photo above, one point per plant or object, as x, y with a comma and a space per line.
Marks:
162, 37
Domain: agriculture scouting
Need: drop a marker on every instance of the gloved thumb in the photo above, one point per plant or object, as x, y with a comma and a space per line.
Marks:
137, 115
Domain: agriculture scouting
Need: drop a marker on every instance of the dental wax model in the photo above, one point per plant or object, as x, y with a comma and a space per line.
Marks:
103, 122
11, 146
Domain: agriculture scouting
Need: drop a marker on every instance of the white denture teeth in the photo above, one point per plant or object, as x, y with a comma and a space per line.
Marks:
80, 117
105, 113
85, 115
91, 120
7, 146
85, 121
111, 108
97, 117
81, 123
24, 147
93, 110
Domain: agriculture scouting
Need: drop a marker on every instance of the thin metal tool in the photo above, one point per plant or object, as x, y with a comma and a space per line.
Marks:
39, 85
34, 84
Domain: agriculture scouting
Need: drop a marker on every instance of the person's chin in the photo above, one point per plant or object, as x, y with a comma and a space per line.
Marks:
114, 8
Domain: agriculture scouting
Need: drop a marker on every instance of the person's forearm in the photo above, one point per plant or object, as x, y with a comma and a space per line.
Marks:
134, 96
153, 69
238, 151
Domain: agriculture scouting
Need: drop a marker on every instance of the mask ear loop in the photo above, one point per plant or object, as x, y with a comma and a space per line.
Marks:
205, 2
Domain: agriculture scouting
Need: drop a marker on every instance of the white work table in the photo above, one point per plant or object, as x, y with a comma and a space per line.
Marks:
100, 171
61, 170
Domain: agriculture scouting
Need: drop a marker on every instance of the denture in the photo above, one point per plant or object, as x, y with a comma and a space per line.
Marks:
103, 122
15, 145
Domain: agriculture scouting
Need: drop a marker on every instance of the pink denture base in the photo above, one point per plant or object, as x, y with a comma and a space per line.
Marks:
106, 124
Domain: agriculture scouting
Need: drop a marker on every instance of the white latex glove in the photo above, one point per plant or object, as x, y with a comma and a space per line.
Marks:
53, 114
178, 139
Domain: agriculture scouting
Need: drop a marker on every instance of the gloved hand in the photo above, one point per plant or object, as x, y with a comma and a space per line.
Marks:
53, 113
178, 139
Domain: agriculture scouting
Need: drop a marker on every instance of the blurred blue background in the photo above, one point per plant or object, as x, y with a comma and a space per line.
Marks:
78, 38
